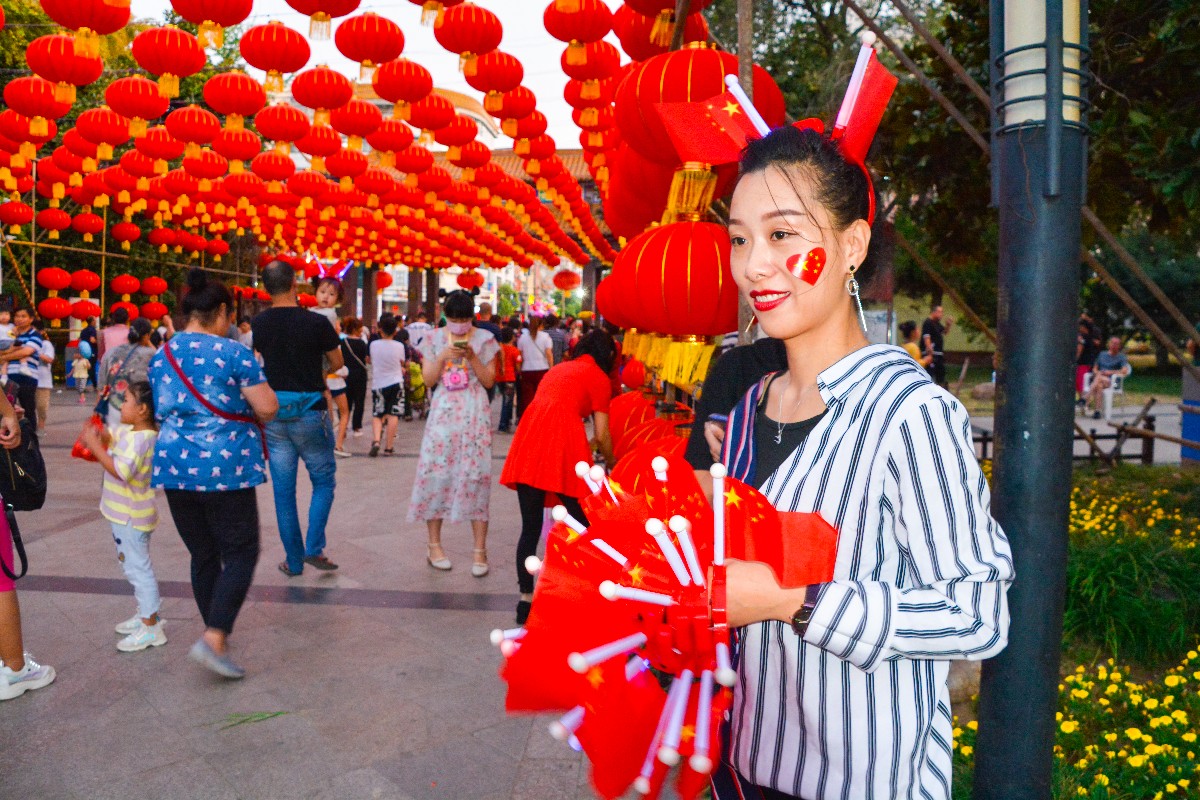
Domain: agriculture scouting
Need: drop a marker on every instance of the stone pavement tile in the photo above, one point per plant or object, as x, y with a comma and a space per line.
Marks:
189, 779
510, 735
457, 770
547, 778
359, 784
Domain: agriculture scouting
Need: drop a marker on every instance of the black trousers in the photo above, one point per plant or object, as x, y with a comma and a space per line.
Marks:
26, 394
356, 397
532, 501
220, 530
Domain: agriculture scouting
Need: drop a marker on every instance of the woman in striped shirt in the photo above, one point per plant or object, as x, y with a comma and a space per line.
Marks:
842, 686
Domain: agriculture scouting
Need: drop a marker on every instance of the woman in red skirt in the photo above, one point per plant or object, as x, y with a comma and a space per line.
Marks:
551, 439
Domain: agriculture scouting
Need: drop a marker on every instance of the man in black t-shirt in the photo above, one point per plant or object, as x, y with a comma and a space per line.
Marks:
727, 383
297, 348
933, 337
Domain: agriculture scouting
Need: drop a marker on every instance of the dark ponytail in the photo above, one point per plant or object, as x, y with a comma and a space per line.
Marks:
139, 328
205, 296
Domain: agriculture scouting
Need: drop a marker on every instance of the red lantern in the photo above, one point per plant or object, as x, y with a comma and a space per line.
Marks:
237, 146
431, 113
275, 49
154, 310
391, 136
598, 61
125, 233
54, 58
456, 135
382, 280
216, 248
212, 16
633, 374
471, 279
162, 238
169, 53
154, 286
321, 13
370, 40
129, 307
206, 166
104, 128
320, 142
321, 89
87, 225
53, 278
496, 73
567, 280
516, 104
83, 310
469, 31
14, 214
346, 165
356, 120
137, 99
636, 33
306, 301
53, 220
402, 83
522, 130
432, 11
589, 22
124, 285
282, 123
272, 166
414, 159
90, 19
54, 309
33, 97
159, 144
235, 95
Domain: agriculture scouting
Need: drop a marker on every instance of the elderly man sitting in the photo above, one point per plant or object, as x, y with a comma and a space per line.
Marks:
1109, 363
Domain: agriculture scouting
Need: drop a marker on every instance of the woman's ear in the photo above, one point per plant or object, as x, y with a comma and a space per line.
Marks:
856, 241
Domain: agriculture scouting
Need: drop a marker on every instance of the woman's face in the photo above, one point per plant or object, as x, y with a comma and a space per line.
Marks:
787, 260
327, 295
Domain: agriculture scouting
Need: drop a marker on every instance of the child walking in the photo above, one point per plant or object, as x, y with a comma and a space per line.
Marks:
127, 501
81, 371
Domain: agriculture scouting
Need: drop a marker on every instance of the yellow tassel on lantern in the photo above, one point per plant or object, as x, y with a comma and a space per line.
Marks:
590, 90
521, 147
595, 138
468, 64
234, 122
161, 167
692, 189
57, 192
87, 43
354, 143
566, 6
576, 53
318, 163
104, 151
509, 127
236, 167
401, 111
319, 26
191, 150
211, 34
274, 81
123, 197
137, 127
205, 185
28, 151
664, 28
168, 85
346, 183
125, 246
468, 174
321, 116
143, 184
492, 102
283, 148
53, 234
64, 92
588, 117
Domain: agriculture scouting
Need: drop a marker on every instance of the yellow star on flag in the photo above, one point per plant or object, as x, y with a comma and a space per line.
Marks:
635, 575
732, 497
732, 108
595, 677
687, 733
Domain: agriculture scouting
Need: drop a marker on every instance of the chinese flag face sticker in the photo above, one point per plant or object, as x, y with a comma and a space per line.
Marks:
807, 267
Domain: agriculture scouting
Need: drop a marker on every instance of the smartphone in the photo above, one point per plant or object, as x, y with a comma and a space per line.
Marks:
460, 345
720, 419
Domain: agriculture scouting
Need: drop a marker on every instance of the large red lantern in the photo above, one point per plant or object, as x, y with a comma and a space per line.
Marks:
470, 279
321, 142
84, 281
382, 280
322, 89
275, 49
169, 53
516, 104
154, 286
370, 40
469, 31
83, 310
567, 280
34, 97
126, 233
154, 310
207, 166
356, 120
159, 144
589, 22
104, 128
321, 14
53, 278
193, 125
87, 225
130, 308
54, 309
430, 114
90, 19
237, 147
598, 61
137, 99
272, 166
389, 138
235, 95
346, 165
15, 214
54, 58
212, 17
496, 72
53, 220
402, 83
282, 123
456, 135
216, 248
663, 14
124, 285
637, 34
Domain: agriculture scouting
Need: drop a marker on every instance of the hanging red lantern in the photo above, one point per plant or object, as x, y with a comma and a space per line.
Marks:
321, 89
235, 95
212, 17
275, 49
383, 280
431, 113
124, 285
636, 33
456, 135
90, 19
321, 14
238, 147
193, 125
104, 128
470, 279
402, 83
126, 233
162, 238
159, 144
15, 214
34, 97
154, 310
18, 128
663, 14
589, 22
169, 53
83, 310
370, 40
469, 31
53, 278
306, 301
272, 166
390, 137
525, 129
356, 120
54, 58
599, 60
87, 225
321, 142
84, 281
516, 104
471, 157
53, 220
154, 286
496, 72
216, 248
130, 308
414, 159
346, 165
283, 124
567, 280
54, 309
207, 166
137, 99
432, 11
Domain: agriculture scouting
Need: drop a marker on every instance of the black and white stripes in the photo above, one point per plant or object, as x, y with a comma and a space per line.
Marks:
860, 708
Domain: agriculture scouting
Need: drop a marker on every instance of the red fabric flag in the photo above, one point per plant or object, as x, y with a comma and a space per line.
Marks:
865, 116
711, 132
618, 728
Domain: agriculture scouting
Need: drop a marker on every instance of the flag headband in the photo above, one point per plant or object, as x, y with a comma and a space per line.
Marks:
717, 130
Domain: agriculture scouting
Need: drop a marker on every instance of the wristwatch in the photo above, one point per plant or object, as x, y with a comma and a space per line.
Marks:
801, 618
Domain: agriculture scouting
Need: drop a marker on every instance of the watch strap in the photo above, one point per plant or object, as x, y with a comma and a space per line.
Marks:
803, 615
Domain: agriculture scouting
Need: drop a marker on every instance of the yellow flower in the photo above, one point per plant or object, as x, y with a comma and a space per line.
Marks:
1079, 694
1069, 726
1153, 749
1136, 761
1179, 715
1184, 783
1171, 788
1115, 677
973, 725
1102, 779
1082, 792
1081, 764
966, 749
1172, 681
1189, 737
1110, 737
1058, 716
1133, 733
1112, 689
1151, 703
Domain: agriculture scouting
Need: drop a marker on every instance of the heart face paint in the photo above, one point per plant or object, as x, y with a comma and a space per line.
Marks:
811, 265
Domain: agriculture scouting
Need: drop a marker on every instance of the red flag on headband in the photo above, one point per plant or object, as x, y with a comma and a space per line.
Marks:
711, 132
866, 111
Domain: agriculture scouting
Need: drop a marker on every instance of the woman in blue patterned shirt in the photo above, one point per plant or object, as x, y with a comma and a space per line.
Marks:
211, 399
842, 686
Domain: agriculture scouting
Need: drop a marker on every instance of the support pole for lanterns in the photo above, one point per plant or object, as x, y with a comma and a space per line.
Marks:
413, 281
33, 238
103, 261
745, 54
432, 278
1038, 158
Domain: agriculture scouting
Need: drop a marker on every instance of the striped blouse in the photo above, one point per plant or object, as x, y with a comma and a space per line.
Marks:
130, 501
860, 708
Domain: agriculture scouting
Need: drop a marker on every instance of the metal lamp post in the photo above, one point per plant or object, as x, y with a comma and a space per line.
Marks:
1039, 49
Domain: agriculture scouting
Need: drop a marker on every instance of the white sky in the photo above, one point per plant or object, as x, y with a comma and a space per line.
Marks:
524, 37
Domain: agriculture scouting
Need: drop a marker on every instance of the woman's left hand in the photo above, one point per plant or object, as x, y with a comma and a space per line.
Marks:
10, 432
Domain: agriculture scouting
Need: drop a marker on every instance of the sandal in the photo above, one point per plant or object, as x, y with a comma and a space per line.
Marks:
442, 563
389, 452
480, 568
374, 449
283, 567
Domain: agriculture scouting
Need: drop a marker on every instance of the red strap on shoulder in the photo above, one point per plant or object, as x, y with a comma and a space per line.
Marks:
191, 387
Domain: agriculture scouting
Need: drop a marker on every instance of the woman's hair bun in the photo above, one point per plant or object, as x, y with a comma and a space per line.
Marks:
197, 279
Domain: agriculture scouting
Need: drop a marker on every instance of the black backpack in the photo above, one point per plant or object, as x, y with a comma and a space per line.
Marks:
23, 472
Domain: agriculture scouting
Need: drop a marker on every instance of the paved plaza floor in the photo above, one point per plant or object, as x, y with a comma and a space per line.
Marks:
376, 681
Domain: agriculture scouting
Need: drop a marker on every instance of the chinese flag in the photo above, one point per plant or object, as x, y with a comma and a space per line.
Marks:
712, 132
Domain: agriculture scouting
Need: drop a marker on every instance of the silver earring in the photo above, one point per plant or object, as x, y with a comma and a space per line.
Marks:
852, 290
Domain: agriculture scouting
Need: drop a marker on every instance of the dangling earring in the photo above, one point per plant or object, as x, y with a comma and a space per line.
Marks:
852, 290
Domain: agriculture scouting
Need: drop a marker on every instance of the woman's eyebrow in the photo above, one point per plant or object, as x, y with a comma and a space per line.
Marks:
785, 212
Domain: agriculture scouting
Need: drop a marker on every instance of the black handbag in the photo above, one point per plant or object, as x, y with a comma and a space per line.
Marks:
23, 472
18, 545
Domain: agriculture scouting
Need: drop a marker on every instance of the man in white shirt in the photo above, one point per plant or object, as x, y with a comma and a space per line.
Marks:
45, 376
417, 331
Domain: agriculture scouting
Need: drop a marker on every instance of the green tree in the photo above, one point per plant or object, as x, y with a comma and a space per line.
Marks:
508, 302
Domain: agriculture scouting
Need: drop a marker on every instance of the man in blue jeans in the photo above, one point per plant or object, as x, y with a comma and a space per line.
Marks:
298, 349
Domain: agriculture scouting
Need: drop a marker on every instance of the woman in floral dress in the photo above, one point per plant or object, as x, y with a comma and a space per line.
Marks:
454, 471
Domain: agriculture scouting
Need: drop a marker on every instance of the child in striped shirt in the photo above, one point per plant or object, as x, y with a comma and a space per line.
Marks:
127, 501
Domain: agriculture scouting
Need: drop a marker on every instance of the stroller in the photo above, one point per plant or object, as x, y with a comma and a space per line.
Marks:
416, 394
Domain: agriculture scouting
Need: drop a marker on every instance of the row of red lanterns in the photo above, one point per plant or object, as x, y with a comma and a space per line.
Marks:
56, 308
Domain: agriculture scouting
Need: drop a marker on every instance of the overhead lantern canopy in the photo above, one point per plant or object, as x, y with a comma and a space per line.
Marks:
212, 17
275, 49
469, 31
54, 58
89, 19
370, 40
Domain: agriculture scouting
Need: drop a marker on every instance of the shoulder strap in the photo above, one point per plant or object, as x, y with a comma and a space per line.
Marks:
191, 387
18, 545
346, 346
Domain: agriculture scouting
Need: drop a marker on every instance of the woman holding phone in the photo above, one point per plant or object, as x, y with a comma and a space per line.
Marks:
454, 471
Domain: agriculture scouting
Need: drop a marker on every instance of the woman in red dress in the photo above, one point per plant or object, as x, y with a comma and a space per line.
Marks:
551, 439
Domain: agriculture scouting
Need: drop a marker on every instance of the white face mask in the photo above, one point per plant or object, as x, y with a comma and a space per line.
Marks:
458, 328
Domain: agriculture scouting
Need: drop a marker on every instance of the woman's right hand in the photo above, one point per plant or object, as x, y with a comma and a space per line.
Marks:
10, 431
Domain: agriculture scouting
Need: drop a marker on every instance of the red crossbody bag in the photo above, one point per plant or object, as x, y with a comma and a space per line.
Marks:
262, 433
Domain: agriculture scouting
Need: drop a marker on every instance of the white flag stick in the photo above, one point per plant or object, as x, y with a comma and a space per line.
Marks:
718, 473
725, 674
682, 529
735, 87
668, 752
565, 726
701, 761
656, 529
615, 591
582, 662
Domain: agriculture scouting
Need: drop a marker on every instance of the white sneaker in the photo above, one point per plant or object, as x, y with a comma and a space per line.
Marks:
145, 636
358, 434
32, 676
129, 626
